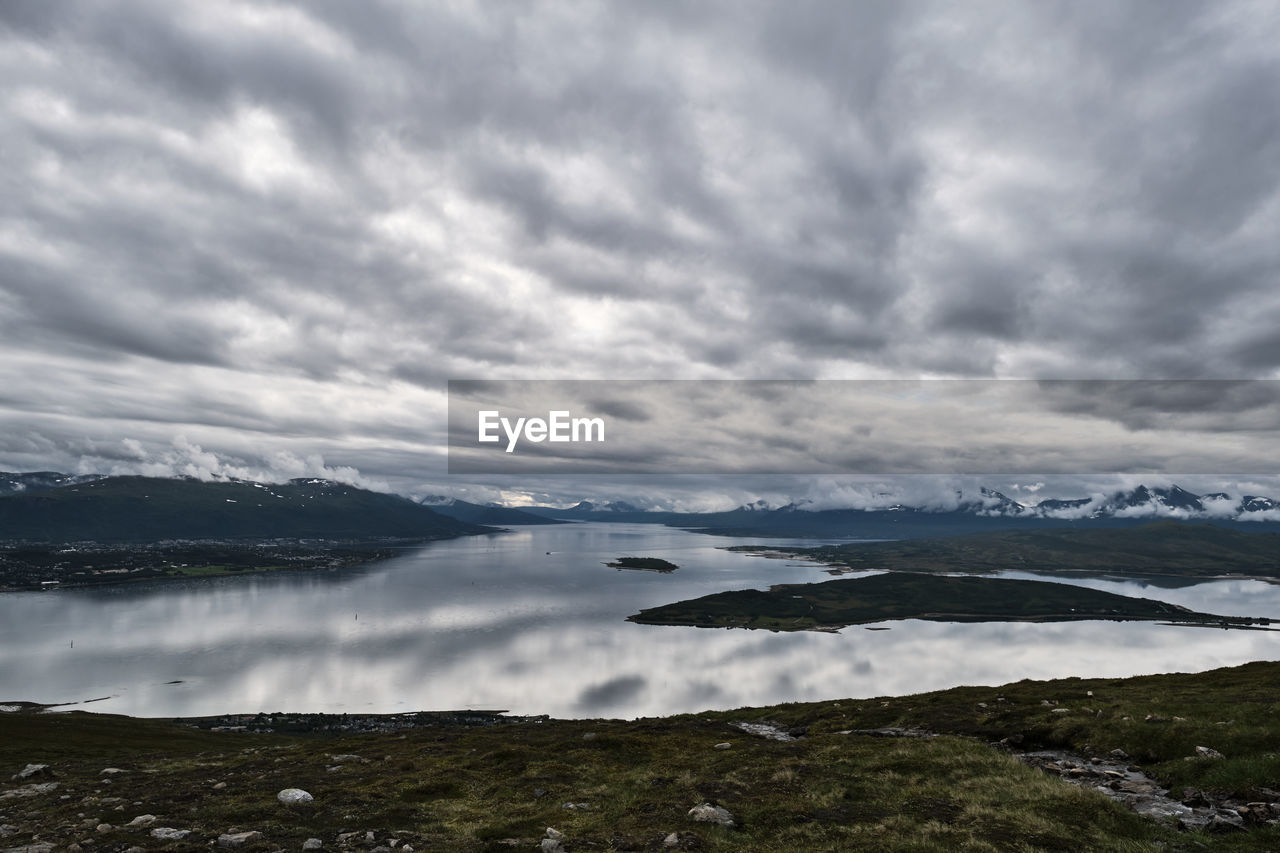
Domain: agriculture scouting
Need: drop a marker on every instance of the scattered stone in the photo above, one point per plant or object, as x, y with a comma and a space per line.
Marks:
234, 840
32, 790
1207, 752
725, 745
707, 813
313, 844
348, 758
104, 827
897, 731
32, 847
111, 771
294, 797
1120, 754
142, 820
672, 840
219, 786
1060, 711
553, 843
577, 807
589, 736
1224, 821
768, 731
7, 829
32, 771
166, 833
74, 848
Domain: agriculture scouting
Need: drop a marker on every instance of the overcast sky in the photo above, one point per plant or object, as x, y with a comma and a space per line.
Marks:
258, 237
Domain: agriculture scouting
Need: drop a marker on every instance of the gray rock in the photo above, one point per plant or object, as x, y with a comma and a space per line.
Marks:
32, 771
166, 833
33, 847
1225, 822
294, 797
1207, 752
724, 746
234, 840
551, 845
104, 827
555, 834
111, 771
313, 844
672, 840
142, 820
7, 829
32, 790
707, 813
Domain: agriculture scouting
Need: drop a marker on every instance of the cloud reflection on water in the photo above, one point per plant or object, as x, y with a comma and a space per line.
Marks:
496, 623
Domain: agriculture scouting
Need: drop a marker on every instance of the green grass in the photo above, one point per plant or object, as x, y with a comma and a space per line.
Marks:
450, 787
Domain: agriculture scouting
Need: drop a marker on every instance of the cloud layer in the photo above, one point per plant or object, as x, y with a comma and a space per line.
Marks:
277, 228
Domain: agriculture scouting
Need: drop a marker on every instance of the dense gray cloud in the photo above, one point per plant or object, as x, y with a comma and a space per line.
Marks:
272, 230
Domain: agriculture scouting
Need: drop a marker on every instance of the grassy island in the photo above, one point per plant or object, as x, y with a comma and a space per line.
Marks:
898, 595
644, 564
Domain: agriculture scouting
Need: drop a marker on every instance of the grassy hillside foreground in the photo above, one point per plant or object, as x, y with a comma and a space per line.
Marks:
612, 785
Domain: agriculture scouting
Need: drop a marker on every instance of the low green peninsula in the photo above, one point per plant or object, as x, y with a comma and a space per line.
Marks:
832, 605
644, 564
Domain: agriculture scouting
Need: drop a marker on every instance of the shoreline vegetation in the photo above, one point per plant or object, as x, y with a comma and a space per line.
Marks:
832, 605
84, 564
977, 768
1164, 549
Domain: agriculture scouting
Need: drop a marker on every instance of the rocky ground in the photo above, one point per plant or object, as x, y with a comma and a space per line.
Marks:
1179, 762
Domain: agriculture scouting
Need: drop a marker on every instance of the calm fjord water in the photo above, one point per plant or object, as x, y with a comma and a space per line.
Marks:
495, 622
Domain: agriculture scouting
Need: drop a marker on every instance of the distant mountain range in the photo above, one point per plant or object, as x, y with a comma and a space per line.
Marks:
988, 510
50, 507
490, 513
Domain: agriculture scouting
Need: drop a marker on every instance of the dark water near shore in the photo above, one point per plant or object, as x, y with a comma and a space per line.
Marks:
497, 623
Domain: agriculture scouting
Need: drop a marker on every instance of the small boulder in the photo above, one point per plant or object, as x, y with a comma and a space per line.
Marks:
707, 813
32, 771
165, 833
313, 844
1208, 752
294, 797
725, 745
234, 840
142, 820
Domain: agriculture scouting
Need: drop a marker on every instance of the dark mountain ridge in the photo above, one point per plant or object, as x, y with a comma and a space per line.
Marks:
153, 509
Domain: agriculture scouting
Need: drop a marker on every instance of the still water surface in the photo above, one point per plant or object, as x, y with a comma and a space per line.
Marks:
496, 622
